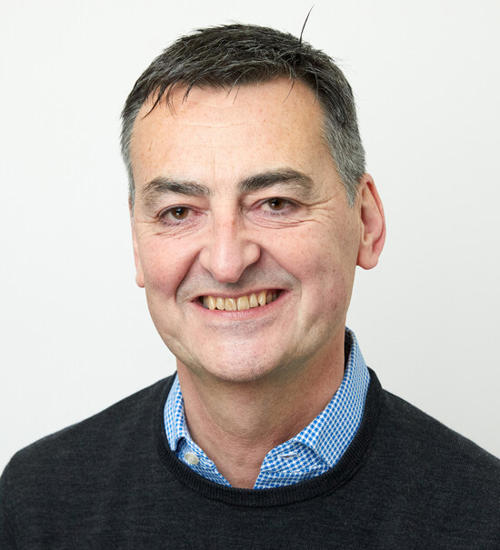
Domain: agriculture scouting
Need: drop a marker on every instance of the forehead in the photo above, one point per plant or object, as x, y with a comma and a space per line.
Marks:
219, 135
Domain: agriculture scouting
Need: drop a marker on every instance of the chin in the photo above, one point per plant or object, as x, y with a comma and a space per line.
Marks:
233, 368
238, 370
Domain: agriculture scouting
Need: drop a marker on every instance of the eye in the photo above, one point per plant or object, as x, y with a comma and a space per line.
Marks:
174, 214
179, 213
277, 204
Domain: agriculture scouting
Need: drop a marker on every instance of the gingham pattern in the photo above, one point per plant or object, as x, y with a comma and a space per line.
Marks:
318, 447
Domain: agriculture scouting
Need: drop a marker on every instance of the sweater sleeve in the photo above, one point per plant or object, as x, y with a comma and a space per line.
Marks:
7, 541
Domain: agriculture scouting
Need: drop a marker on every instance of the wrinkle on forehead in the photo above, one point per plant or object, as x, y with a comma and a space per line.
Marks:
214, 125
216, 135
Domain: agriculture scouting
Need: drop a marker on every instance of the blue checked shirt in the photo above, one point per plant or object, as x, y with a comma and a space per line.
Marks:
313, 451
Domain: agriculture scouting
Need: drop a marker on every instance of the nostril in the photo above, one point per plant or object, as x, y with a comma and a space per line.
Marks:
226, 257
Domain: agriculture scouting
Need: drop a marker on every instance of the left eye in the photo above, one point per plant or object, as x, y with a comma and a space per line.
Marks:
277, 204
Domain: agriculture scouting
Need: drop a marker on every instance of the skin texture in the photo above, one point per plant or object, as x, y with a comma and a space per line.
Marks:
250, 379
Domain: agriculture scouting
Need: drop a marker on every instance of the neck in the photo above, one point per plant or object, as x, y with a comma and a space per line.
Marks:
237, 424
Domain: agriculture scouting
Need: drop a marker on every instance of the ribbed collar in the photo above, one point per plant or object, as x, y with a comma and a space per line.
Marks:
333, 479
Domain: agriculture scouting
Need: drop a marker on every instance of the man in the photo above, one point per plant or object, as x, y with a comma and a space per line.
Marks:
250, 211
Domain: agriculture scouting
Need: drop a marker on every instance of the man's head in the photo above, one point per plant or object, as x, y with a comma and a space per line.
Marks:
234, 55
239, 205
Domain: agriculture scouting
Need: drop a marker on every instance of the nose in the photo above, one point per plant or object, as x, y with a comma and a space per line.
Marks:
229, 250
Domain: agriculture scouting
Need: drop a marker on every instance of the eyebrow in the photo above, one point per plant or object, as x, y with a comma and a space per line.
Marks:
162, 185
274, 177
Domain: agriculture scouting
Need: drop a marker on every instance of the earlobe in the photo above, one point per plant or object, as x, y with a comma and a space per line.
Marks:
373, 229
139, 274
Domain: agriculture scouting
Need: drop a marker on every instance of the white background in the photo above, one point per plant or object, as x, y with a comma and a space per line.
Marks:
75, 331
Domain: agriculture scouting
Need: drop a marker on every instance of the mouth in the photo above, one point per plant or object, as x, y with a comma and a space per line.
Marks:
240, 303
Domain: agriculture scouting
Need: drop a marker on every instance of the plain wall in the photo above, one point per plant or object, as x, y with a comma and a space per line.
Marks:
75, 331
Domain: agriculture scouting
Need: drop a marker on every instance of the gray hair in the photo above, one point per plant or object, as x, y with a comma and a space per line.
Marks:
230, 55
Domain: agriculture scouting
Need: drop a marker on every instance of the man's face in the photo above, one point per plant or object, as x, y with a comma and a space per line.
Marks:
237, 200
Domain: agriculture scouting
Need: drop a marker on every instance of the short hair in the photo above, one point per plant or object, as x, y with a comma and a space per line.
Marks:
227, 56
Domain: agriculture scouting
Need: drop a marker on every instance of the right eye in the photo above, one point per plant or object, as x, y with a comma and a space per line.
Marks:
179, 213
174, 214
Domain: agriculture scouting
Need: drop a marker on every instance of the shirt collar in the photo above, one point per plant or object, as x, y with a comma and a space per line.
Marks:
327, 436
175, 420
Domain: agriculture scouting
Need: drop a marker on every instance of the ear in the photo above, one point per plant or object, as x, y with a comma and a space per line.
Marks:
372, 236
139, 274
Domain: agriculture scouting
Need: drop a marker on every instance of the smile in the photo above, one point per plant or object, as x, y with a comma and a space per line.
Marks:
240, 303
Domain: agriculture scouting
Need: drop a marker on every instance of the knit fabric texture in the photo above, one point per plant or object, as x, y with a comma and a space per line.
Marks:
112, 481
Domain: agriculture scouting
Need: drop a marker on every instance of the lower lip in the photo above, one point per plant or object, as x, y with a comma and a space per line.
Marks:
244, 314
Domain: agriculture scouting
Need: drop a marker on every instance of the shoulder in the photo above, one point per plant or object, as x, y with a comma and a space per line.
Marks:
422, 432
91, 445
427, 455
52, 486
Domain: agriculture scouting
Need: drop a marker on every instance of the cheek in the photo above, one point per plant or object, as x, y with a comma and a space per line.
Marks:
302, 251
323, 263
164, 265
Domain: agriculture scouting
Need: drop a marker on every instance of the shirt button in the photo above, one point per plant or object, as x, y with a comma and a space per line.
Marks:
191, 458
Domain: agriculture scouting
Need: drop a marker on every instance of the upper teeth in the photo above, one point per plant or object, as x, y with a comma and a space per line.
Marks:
243, 302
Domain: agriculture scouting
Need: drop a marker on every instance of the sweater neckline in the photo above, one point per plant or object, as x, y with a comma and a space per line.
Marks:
325, 483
